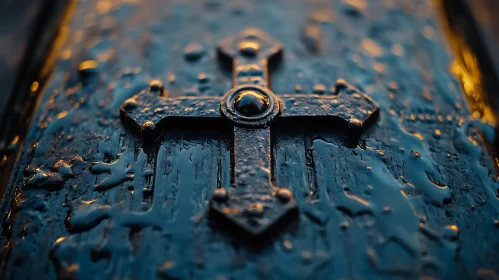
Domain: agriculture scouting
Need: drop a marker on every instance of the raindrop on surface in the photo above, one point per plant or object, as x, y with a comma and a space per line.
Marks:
193, 52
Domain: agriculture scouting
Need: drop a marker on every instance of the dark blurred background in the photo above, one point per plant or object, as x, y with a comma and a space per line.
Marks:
27, 33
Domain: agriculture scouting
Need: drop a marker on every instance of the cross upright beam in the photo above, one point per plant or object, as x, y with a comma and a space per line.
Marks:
252, 205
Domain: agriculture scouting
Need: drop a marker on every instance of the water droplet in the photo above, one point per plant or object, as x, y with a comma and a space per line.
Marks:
193, 52
45, 180
203, 78
372, 48
166, 269
63, 168
437, 133
311, 37
298, 88
354, 8
14, 144
451, 232
171, 78
238, 9
344, 225
319, 89
415, 154
307, 257
212, 4
88, 68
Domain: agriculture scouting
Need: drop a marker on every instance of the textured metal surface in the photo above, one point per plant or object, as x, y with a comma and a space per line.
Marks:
414, 196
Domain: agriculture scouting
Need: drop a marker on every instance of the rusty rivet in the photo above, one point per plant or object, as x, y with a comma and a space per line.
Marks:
284, 194
131, 103
220, 195
355, 124
156, 86
147, 126
340, 84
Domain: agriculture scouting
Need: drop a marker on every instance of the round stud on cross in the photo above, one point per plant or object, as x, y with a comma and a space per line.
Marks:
157, 86
220, 195
251, 103
249, 48
147, 130
355, 124
340, 84
250, 106
147, 126
131, 103
284, 194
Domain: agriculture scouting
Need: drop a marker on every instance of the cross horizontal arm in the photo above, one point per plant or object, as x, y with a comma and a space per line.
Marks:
348, 104
149, 107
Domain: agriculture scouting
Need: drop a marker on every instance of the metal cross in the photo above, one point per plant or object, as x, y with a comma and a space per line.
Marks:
253, 205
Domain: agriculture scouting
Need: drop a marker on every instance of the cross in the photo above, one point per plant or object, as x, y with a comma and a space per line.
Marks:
253, 205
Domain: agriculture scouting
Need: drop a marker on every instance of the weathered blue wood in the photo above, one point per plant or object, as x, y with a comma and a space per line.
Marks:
414, 197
